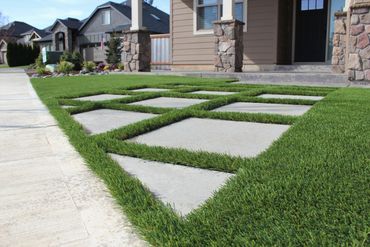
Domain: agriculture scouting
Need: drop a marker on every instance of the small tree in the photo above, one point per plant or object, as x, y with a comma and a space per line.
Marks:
114, 50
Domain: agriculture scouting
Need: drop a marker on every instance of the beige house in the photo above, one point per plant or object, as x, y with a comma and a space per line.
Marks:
255, 35
276, 32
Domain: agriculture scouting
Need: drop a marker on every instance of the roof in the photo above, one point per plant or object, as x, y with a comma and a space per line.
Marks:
16, 28
71, 23
41, 33
154, 20
47, 38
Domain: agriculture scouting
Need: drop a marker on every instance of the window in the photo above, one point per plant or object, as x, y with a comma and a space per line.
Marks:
312, 5
106, 17
208, 11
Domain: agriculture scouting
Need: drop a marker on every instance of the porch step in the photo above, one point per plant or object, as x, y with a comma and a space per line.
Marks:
280, 78
303, 68
306, 78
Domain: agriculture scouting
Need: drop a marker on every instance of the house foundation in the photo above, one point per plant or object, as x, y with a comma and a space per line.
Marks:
136, 55
228, 46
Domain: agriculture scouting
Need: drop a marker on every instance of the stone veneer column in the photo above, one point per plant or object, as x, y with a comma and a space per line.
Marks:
340, 42
359, 43
136, 55
229, 46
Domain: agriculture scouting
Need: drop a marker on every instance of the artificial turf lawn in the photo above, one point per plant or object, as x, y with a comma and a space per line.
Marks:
310, 188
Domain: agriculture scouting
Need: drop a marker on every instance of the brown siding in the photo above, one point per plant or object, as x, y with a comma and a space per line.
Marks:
187, 48
260, 41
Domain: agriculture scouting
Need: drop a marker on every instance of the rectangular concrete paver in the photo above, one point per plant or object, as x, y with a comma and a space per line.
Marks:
286, 96
165, 102
242, 139
282, 109
213, 92
149, 90
48, 196
100, 121
102, 97
184, 188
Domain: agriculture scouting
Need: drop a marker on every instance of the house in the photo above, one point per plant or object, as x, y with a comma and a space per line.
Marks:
17, 32
88, 36
275, 32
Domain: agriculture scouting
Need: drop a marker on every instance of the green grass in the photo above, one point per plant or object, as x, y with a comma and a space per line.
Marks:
310, 188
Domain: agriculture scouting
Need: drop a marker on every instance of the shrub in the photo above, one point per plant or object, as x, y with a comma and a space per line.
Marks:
41, 71
120, 66
65, 67
75, 58
106, 67
89, 66
66, 57
19, 54
39, 62
101, 67
114, 50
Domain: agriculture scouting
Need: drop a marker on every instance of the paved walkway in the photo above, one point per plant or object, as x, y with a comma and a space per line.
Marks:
48, 197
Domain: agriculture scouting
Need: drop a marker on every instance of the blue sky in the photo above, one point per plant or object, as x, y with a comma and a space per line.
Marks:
42, 13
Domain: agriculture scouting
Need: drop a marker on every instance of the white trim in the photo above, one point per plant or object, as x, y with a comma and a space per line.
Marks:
210, 31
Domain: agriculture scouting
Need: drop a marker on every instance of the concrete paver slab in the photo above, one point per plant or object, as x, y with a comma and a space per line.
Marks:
286, 96
165, 102
213, 92
282, 109
148, 90
242, 139
100, 121
102, 97
184, 188
48, 196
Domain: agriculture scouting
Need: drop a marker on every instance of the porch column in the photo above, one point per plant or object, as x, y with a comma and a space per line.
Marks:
229, 46
228, 9
136, 15
136, 54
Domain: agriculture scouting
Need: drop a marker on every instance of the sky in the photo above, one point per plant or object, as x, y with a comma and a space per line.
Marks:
43, 13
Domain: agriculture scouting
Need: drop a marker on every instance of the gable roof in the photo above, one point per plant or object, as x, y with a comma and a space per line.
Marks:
16, 28
71, 23
46, 39
154, 20
41, 33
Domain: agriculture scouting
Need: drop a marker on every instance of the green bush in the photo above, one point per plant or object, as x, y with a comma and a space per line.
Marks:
75, 58
120, 66
89, 66
20, 55
39, 63
114, 50
41, 71
65, 67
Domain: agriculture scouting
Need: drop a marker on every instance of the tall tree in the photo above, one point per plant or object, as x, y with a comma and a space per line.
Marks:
114, 50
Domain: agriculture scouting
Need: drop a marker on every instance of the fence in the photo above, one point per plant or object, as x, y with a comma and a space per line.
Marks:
161, 52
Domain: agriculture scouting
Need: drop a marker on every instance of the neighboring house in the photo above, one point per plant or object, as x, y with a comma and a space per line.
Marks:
276, 32
17, 32
88, 36
21, 33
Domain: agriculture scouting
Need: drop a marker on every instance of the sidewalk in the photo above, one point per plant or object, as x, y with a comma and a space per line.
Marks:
48, 197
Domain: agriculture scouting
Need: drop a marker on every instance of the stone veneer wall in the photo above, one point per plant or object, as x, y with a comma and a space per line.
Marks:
340, 42
359, 43
136, 55
228, 46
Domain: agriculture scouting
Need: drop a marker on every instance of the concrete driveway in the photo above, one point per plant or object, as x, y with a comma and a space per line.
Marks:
48, 197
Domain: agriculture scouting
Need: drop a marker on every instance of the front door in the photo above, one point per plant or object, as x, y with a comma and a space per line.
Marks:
311, 30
